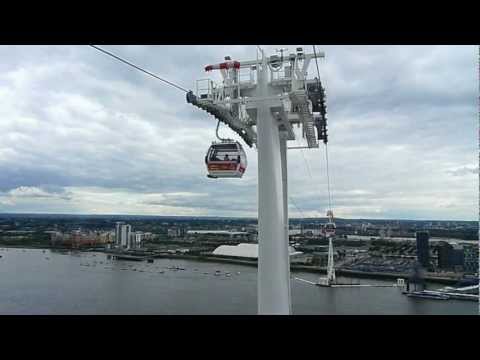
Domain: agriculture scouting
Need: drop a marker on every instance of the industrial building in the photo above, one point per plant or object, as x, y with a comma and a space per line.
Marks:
470, 262
222, 235
450, 256
458, 257
248, 251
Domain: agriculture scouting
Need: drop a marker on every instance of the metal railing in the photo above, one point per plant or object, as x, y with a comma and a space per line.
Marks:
282, 74
246, 76
204, 88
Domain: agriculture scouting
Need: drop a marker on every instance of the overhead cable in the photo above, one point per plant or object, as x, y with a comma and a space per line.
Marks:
138, 68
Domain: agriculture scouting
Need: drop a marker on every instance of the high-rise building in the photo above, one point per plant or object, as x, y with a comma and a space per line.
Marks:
126, 238
176, 232
423, 249
118, 236
470, 263
122, 234
138, 238
135, 240
131, 241
125, 235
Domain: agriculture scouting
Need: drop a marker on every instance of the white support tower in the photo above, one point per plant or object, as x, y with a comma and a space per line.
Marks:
330, 279
261, 104
330, 265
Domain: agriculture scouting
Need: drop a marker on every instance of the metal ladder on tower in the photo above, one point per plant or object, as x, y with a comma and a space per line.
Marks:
309, 128
300, 102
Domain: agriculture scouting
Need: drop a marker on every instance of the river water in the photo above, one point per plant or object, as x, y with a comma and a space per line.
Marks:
47, 282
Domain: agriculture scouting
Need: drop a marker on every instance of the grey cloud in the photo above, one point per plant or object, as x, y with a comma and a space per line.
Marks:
466, 170
400, 118
33, 193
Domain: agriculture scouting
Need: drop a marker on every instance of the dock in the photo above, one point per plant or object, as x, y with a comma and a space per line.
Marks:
306, 281
454, 295
347, 285
364, 285
443, 294
129, 256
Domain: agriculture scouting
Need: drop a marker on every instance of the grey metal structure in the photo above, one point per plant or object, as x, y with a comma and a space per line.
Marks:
262, 100
295, 99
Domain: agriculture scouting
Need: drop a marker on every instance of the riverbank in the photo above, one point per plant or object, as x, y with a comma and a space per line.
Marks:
36, 247
312, 269
25, 246
253, 263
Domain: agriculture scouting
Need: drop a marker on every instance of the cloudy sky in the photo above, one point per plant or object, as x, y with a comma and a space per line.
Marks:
82, 133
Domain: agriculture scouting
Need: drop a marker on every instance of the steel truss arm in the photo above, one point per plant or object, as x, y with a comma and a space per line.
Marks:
245, 131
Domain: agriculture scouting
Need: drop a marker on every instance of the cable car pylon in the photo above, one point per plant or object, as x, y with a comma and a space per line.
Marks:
262, 110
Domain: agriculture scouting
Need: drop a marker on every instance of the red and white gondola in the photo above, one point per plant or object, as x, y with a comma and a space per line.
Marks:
330, 227
226, 159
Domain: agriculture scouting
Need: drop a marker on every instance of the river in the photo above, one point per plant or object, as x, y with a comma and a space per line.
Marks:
36, 281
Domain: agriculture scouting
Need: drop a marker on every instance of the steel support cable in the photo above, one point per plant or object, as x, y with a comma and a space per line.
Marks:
309, 173
216, 132
311, 177
139, 68
290, 198
326, 147
307, 165
328, 180
296, 207
316, 63
304, 159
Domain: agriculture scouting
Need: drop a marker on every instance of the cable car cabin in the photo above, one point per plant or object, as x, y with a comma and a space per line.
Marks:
329, 229
226, 160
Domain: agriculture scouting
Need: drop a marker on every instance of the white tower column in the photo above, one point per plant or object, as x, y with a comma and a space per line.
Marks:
273, 257
330, 266
283, 155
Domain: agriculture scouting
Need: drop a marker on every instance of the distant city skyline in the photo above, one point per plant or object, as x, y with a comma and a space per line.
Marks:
85, 134
294, 217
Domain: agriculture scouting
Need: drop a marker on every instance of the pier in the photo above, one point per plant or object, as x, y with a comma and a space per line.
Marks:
129, 256
347, 285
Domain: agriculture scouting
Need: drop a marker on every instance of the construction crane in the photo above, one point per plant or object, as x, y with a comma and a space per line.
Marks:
262, 100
